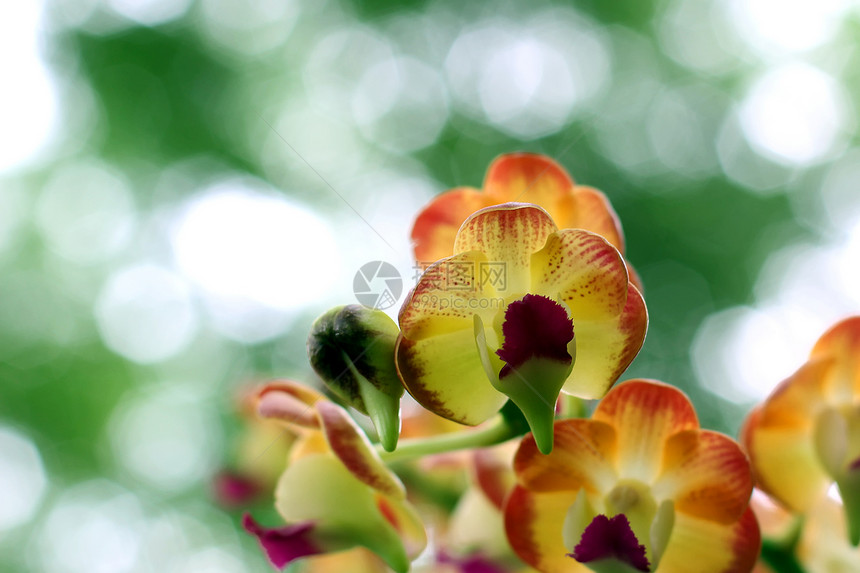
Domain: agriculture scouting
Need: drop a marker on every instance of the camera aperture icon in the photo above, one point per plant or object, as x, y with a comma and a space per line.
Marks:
377, 284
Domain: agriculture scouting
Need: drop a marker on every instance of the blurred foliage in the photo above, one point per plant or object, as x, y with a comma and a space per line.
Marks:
177, 105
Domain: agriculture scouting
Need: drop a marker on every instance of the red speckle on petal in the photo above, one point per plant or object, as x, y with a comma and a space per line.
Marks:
534, 326
606, 538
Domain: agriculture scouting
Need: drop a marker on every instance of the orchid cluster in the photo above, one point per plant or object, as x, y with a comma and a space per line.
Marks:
487, 432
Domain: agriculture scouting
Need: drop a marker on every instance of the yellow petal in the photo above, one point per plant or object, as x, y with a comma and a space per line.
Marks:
604, 349
447, 296
706, 474
534, 523
304, 493
701, 546
508, 235
645, 414
778, 437
358, 560
585, 271
445, 375
405, 520
787, 467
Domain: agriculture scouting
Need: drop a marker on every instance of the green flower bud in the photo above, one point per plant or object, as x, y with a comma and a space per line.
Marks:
352, 349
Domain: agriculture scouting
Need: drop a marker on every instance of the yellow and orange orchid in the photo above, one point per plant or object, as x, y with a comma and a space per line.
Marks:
806, 434
638, 487
333, 457
520, 177
523, 311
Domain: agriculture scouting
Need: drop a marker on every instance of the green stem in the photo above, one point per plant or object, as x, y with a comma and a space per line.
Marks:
780, 558
495, 432
572, 407
780, 553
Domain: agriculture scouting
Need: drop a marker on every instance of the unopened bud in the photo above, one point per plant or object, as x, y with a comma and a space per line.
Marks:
352, 349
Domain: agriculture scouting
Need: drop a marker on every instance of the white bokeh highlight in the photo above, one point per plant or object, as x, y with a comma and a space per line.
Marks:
776, 27
145, 313
150, 12
795, 114
236, 240
86, 212
256, 257
23, 482
92, 528
168, 439
399, 92
30, 112
529, 78
247, 28
742, 353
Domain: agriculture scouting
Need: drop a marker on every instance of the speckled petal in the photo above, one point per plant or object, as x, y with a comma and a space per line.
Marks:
644, 413
508, 235
604, 349
447, 296
585, 271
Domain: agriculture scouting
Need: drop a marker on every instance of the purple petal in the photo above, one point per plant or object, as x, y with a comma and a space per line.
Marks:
472, 564
283, 544
233, 489
534, 326
606, 538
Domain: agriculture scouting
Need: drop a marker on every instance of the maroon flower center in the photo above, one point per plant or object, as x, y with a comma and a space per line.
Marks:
607, 538
535, 327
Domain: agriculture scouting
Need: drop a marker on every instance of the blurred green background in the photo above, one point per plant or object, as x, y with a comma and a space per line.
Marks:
186, 184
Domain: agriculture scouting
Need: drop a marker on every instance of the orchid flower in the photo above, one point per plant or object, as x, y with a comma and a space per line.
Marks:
336, 494
638, 487
806, 435
562, 316
523, 177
